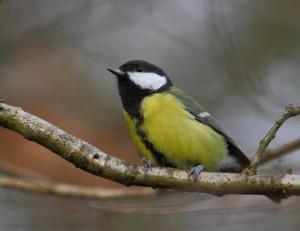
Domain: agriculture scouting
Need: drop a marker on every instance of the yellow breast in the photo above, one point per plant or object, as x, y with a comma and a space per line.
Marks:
184, 141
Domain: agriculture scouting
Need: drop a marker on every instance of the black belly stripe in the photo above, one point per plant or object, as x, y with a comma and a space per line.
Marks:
159, 157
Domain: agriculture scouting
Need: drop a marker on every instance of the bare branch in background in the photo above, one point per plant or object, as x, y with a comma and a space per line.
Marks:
290, 111
92, 160
41, 186
280, 151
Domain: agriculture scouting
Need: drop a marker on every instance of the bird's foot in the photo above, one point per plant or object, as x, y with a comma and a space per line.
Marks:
195, 171
147, 164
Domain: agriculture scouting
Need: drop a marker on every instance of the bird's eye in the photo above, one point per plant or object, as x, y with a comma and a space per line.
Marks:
139, 69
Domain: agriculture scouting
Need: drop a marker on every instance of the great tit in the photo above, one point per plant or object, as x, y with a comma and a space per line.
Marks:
169, 128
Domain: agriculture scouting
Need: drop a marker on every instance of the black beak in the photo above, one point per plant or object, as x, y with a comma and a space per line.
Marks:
116, 71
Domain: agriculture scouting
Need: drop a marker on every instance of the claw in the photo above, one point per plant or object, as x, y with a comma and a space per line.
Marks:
147, 164
195, 171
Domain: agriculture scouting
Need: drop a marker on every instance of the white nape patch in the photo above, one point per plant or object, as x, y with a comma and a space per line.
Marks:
203, 114
148, 80
229, 162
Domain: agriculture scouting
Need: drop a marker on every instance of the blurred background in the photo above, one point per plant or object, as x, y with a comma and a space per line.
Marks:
240, 59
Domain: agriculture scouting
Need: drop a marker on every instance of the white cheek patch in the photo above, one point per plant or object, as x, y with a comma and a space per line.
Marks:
150, 81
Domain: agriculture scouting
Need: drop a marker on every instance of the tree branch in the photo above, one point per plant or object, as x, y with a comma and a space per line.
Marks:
92, 160
280, 151
61, 189
290, 111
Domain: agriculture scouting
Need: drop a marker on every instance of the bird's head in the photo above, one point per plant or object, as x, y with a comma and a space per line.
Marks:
140, 77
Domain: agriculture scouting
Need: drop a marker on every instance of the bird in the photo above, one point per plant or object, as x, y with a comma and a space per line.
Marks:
169, 128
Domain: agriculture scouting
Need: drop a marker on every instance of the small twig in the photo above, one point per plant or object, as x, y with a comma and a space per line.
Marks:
290, 111
41, 186
279, 151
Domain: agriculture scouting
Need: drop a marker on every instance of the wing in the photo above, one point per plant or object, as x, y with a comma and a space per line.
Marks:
201, 115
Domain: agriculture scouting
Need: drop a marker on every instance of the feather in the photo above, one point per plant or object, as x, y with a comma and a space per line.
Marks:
200, 114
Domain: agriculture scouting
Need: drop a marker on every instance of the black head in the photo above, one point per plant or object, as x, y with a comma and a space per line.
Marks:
146, 76
142, 67
138, 79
